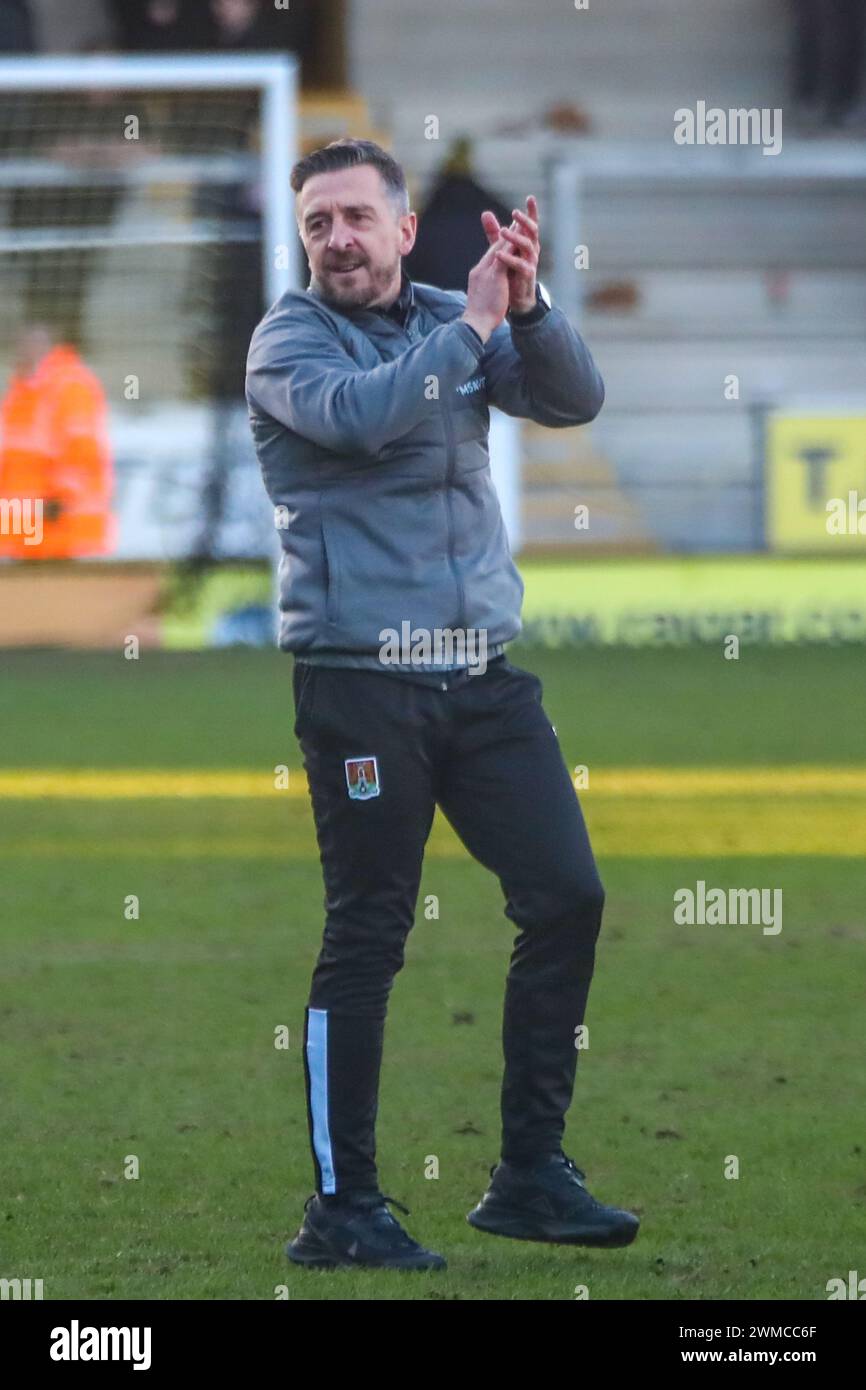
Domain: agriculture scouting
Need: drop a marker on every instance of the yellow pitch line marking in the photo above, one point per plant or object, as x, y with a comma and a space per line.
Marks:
726, 781
626, 782
197, 783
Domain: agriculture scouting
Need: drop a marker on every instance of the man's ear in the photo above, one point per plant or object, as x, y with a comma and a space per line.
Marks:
408, 232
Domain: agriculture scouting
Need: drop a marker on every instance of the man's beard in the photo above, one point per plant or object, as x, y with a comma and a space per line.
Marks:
374, 281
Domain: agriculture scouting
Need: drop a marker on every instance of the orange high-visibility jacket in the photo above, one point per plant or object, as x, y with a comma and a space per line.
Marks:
54, 446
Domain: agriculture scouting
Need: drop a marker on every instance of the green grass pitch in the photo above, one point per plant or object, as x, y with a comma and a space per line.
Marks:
154, 1037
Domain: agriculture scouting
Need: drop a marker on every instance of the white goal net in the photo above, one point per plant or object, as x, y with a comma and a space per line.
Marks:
145, 222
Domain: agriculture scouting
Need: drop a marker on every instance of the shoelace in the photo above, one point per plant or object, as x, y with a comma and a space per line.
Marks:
383, 1217
373, 1205
595, 1205
380, 1210
394, 1202
569, 1163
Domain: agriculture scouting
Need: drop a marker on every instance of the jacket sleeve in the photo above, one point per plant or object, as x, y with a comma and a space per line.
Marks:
300, 373
543, 372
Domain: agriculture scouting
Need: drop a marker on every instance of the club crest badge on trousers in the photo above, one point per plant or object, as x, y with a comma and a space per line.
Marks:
362, 778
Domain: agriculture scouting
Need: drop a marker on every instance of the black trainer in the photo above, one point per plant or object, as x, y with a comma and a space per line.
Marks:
360, 1232
550, 1202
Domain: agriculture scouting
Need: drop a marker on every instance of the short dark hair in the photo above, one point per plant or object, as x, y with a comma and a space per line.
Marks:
346, 154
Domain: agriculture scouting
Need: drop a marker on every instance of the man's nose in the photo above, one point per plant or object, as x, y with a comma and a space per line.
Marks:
341, 236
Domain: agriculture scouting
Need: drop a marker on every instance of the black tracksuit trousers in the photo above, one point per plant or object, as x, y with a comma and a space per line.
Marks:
486, 752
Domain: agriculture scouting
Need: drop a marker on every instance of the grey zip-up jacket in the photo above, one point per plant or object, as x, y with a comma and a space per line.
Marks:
372, 441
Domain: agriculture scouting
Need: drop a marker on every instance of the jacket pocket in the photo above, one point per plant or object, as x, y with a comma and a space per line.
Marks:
332, 575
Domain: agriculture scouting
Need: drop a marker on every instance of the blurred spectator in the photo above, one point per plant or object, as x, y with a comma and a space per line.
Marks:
241, 24
64, 27
54, 447
255, 25
232, 26
159, 26
828, 57
16, 27
451, 239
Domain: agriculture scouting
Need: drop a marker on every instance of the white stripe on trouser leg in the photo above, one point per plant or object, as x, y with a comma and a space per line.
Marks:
317, 1061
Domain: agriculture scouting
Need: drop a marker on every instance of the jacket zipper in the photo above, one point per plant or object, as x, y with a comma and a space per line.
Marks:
331, 613
452, 460
411, 332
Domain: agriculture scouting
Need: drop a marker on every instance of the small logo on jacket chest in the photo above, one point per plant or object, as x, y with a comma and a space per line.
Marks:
470, 387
